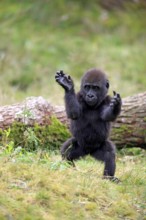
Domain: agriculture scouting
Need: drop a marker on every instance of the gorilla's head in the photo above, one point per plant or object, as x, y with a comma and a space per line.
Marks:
94, 87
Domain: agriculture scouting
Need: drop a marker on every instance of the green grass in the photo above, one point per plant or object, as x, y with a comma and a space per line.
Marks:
39, 38
41, 186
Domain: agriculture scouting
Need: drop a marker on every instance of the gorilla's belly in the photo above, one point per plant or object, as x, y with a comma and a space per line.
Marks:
88, 134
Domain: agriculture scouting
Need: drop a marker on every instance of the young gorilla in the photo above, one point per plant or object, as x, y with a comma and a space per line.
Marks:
91, 112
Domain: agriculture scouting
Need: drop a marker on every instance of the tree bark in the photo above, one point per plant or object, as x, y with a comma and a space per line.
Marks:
129, 130
30, 111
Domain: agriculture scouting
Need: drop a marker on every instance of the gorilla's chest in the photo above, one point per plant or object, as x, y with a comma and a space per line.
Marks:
89, 122
90, 129
90, 116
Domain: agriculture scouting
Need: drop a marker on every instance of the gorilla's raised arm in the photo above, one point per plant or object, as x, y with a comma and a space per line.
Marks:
73, 107
111, 111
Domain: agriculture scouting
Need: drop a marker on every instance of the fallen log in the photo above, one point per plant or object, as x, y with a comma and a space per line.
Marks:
129, 130
31, 110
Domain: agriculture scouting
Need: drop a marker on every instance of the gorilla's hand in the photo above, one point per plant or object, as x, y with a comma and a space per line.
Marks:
64, 80
115, 101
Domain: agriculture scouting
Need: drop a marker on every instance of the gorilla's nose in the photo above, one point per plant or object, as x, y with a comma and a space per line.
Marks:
90, 96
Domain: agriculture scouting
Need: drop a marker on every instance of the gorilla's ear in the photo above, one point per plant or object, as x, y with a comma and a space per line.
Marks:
107, 84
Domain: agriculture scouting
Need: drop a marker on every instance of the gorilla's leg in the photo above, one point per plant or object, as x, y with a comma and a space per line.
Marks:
71, 150
107, 154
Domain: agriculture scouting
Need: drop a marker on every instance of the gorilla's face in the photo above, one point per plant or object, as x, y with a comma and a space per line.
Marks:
94, 87
91, 93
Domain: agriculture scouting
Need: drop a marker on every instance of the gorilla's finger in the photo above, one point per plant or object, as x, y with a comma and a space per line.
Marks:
118, 95
57, 77
62, 73
69, 77
57, 73
114, 93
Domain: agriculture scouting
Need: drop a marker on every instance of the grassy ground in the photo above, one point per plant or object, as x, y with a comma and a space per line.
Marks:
39, 38
40, 186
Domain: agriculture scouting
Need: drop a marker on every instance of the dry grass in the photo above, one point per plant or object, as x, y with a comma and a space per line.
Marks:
46, 188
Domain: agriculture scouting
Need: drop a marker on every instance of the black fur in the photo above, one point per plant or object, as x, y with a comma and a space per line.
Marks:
91, 112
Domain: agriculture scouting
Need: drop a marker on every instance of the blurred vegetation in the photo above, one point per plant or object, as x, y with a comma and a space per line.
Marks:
39, 37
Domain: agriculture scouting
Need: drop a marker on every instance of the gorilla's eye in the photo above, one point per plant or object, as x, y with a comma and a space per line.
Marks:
87, 87
96, 88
